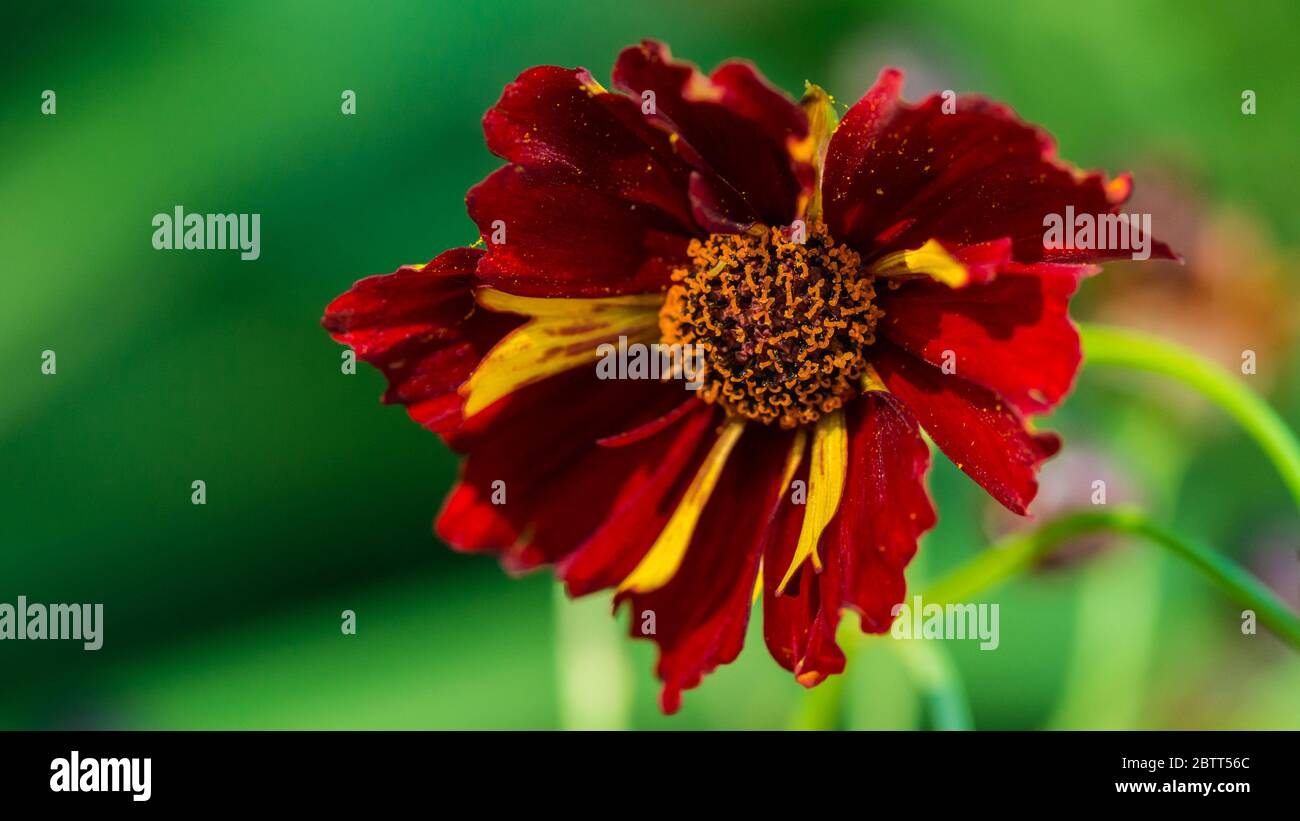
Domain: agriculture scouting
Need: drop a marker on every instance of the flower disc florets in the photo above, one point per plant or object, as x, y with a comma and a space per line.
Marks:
783, 324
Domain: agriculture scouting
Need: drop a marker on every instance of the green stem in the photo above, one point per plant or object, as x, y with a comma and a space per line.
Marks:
594, 685
935, 675
1116, 346
1017, 552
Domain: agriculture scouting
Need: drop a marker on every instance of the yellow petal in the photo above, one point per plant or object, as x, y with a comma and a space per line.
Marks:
929, 260
561, 334
537, 306
830, 456
822, 120
660, 563
592, 86
871, 380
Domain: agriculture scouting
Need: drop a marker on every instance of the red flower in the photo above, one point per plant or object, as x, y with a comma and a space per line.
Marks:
848, 286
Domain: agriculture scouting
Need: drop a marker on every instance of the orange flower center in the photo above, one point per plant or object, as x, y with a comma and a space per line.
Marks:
783, 324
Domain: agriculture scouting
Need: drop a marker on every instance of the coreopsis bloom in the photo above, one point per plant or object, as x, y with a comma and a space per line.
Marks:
848, 284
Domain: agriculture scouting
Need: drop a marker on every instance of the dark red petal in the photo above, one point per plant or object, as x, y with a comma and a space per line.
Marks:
560, 485
798, 627
974, 175
602, 488
979, 431
421, 327
567, 239
983, 261
633, 521
736, 127
883, 512
648, 429
701, 615
1012, 335
559, 120
717, 207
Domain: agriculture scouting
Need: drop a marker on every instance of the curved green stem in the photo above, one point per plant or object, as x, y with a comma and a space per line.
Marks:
934, 674
1017, 552
1116, 346
594, 685
1013, 554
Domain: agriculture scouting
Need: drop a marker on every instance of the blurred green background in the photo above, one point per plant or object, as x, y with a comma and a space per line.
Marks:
174, 367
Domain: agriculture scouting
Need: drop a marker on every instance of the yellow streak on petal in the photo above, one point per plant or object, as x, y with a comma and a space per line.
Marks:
929, 260
561, 334
701, 89
822, 121
1118, 189
793, 458
871, 380
830, 457
660, 563
536, 306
